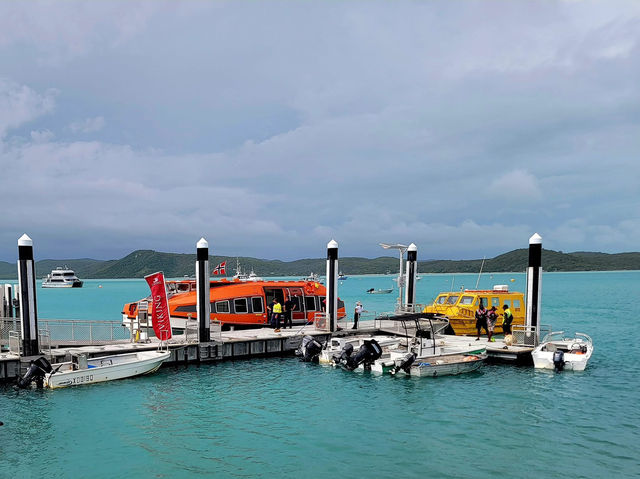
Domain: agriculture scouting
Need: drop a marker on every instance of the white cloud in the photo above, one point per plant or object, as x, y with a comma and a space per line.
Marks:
517, 185
272, 128
20, 104
41, 136
88, 125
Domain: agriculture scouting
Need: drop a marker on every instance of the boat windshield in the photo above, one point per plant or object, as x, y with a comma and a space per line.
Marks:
466, 300
441, 299
452, 299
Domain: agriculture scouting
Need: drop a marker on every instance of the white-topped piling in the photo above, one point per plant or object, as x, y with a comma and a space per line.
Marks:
3, 302
534, 284
412, 268
203, 287
332, 284
8, 300
27, 297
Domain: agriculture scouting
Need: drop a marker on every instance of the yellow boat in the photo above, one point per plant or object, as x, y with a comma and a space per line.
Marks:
460, 307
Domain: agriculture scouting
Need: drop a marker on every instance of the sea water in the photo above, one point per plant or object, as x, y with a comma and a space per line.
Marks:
278, 417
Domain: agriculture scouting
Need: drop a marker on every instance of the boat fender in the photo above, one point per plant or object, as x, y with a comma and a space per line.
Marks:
558, 360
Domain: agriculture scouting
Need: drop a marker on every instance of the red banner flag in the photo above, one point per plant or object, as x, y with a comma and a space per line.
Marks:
160, 314
220, 269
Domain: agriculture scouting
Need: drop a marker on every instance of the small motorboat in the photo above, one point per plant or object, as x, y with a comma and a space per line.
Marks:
342, 277
312, 278
379, 291
563, 353
81, 370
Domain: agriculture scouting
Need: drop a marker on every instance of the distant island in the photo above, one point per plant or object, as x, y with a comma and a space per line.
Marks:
143, 262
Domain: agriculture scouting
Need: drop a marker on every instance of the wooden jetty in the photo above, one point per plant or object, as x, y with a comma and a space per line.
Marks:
248, 344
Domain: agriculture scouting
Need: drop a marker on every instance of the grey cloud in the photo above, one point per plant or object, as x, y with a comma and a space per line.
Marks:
270, 128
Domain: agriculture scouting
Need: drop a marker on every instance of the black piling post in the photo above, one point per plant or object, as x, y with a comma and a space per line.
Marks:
27, 297
203, 287
412, 263
332, 284
534, 284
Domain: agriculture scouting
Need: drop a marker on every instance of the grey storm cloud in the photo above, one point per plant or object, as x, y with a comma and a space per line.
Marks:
272, 127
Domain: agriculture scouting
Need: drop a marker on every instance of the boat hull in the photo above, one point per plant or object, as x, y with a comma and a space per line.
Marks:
442, 367
576, 352
108, 368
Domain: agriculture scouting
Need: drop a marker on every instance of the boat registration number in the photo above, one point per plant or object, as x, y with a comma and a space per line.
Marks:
87, 378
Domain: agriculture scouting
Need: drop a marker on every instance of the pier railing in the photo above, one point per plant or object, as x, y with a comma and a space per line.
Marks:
530, 336
70, 331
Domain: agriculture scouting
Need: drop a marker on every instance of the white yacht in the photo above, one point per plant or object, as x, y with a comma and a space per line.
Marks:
242, 276
61, 278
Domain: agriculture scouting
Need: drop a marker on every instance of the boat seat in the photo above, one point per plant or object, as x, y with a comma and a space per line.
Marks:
551, 348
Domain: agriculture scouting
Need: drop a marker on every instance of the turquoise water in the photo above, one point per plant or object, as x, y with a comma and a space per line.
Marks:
281, 418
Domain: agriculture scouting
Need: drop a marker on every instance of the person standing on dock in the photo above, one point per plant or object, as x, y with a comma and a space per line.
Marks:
481, 320
356, 314
507, 319
492, 317
289, 306
277, 312
270, 312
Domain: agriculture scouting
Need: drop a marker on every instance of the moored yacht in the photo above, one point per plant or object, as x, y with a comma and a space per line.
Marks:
61, 278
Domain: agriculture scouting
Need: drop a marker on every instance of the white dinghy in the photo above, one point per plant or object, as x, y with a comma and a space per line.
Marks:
563, 353
81, 370
119, 366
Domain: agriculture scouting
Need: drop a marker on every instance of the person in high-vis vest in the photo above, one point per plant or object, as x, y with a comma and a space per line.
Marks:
507, 319
277, 312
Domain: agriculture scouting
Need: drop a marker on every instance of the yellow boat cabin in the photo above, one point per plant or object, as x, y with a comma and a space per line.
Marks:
460, 307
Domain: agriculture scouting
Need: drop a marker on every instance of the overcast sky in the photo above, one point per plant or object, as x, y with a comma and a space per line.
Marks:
271, 128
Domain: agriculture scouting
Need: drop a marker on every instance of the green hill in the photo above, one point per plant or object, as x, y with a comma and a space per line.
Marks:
143, 262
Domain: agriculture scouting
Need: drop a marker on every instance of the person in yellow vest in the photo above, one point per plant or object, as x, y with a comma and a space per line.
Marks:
507, 319
277, 312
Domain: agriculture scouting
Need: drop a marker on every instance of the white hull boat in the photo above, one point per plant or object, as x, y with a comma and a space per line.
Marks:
563, 353
429, 366
61, 278
379, 291
106, 368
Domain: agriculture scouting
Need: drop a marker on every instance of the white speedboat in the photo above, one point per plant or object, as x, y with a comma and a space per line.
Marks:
61, 278
379, 291
559, 352
118, 366
81, 370
312, 278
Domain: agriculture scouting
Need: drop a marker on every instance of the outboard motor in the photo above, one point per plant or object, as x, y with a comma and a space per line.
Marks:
344, 356
366, 355
310, 349
558, 360
36, 372
404, 363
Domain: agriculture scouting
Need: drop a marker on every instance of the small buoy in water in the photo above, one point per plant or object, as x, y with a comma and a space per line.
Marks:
100, 286
513, 280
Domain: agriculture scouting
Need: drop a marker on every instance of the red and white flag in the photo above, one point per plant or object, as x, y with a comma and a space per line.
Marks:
221, 268
160, 314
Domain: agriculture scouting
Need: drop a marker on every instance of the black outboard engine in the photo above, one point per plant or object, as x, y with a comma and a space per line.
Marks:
366, 355
404, 363
344, 356
36, 372
558, 360
310, 349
